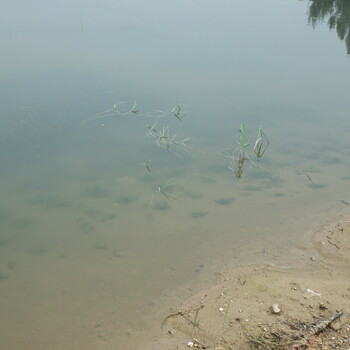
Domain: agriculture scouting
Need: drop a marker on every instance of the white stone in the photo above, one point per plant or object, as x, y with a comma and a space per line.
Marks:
312, 293
275, 309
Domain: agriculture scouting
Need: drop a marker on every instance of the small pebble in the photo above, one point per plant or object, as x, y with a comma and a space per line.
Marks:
323, 306
275, 309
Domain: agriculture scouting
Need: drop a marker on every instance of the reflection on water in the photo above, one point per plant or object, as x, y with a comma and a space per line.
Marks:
337, 14
111, 213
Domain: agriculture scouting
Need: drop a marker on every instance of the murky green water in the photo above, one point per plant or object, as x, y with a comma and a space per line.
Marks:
109, 219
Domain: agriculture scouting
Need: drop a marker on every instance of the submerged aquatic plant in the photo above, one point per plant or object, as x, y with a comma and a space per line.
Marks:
162, 190
307, 175
148, 165
176, 112
164, 139
132, 110
135, 111
161, 135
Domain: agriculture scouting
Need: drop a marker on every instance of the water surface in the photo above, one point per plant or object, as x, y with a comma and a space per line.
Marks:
104, 227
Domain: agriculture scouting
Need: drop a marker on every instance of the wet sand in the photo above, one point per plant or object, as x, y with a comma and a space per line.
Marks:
262, 306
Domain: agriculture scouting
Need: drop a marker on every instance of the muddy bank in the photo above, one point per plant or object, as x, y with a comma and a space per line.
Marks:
265, 307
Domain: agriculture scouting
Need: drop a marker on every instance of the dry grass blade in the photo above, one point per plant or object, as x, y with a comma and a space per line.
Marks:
256, 343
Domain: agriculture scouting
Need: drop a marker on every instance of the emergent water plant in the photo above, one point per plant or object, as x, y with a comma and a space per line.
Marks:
240, 155
261, 144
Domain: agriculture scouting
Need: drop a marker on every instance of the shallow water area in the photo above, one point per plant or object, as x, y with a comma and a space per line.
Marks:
112, 212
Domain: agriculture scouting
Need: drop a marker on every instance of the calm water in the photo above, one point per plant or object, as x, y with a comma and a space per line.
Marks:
103, 229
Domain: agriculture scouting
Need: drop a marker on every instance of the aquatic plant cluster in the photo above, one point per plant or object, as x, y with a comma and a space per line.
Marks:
165, 139
160, 134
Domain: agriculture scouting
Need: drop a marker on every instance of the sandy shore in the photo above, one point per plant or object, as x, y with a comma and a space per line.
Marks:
265, 307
